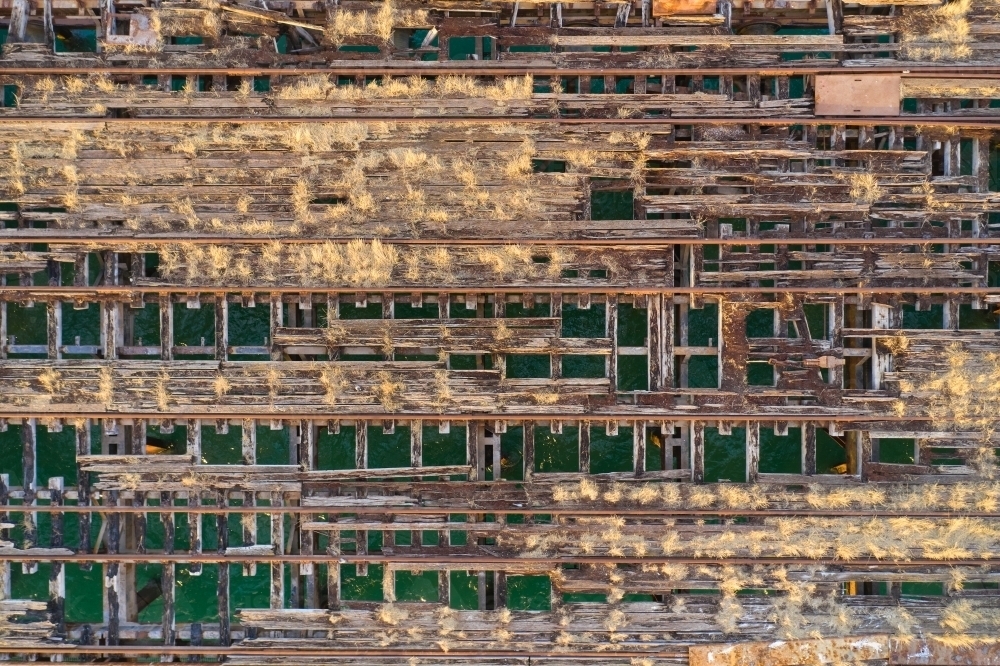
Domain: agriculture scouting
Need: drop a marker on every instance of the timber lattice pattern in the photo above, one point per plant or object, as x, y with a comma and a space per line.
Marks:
411, 199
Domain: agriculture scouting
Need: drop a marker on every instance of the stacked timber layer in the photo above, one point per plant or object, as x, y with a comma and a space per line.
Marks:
500, 333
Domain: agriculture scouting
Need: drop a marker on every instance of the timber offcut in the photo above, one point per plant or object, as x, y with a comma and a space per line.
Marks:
640, 332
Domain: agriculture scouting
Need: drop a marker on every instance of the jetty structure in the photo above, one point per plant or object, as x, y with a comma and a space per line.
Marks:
638, 332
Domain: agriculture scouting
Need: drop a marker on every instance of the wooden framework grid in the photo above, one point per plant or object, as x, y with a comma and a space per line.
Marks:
412, 201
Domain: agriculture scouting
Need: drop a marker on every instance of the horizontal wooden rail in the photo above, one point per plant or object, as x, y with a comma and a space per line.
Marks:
957, 122
492, 561
398, 654
610, 413
487, 68
109, 241
437, 511
127, 292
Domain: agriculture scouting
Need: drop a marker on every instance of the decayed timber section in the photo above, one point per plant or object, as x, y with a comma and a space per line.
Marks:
799, 189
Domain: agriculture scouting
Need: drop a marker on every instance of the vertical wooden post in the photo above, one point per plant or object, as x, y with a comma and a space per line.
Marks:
981, 163
584, 464
361, 462
333, 573
698, 451
195, 527
866, 455
248, 522
444, 585
166, 327
113, 580
50, 33
221, 328
111, 330
4, 517
753, 89
276, 320
835, 16
137, 438
726, 9
193, 440
416, 443
809, 448
54, 329
416, 460
782, 87
3, 322
555, 360
611, 328
29, 481
248, 443
18, 21
529, 449
655, 332
639, 447
475, 451
57, 574
222, 532
836, 322
168, 582
278, 543
135, 524
83, 444
361, 445
307, 458
667, 338
853, 450
753, 451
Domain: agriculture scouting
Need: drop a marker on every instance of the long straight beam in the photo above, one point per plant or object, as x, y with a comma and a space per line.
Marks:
126, 292
217, 412
471, 68
489, 560
547, 511
104, 239
396, 656
957, 122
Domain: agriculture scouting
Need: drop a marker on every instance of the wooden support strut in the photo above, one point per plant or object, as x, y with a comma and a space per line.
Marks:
169, 579
611, 327
752, 451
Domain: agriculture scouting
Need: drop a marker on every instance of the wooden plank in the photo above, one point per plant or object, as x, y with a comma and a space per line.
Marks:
752, 451
791, 653
858, 94
819, 42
